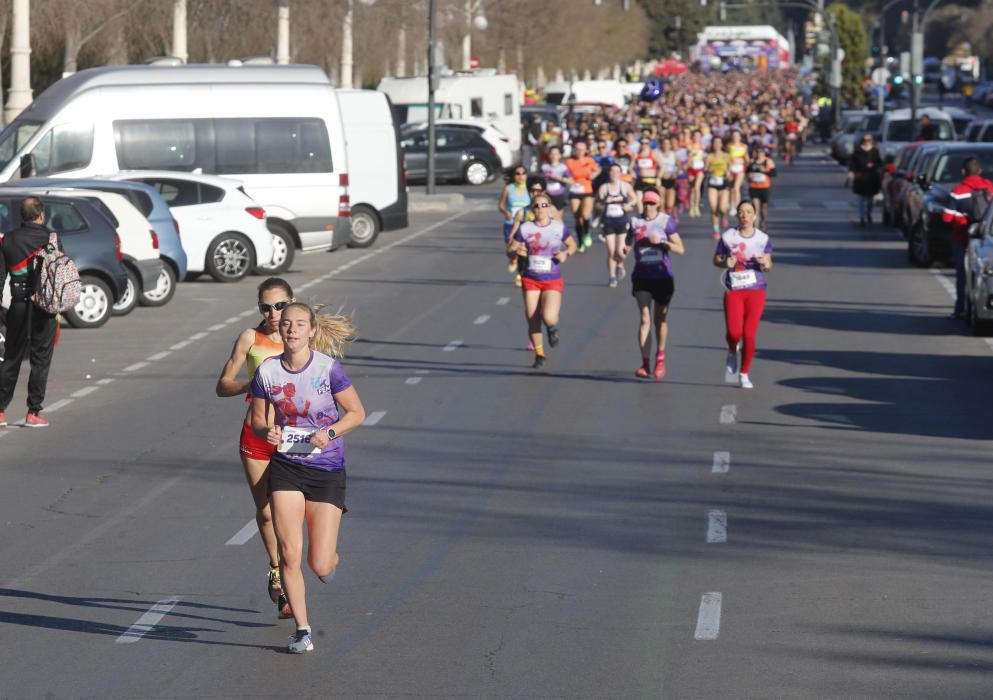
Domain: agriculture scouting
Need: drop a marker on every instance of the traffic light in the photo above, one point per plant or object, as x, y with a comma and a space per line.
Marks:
919, 79
897, 79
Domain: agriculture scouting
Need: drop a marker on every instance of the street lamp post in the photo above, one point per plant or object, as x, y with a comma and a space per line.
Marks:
432, 86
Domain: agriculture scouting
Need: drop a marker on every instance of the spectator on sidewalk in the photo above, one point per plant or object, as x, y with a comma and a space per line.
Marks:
28, 327
865, 169
970, 198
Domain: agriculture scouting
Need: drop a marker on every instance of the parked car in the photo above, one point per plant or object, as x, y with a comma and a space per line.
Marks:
931, 232
147, 200
979, 276
493, 136
894, 183
897, 129
961, 119
980, 131
139, 243
846, 142
223, 229
89, 238
461, 155
917, 188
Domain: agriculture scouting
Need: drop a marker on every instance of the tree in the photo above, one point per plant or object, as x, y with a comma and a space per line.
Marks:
855, 43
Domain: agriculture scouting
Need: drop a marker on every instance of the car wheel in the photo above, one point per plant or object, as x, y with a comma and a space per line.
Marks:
165, 287
919, 247
477, 173
979, 327
230, 257
283, 249
365, 227
95, 303
129, 298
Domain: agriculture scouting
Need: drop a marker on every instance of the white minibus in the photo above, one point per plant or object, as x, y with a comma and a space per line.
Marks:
276, 128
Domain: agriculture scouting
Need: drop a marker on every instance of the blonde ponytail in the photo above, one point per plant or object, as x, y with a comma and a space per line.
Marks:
333, 332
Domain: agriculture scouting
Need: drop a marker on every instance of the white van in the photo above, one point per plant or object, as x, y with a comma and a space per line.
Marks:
897, 129
492, 98
604, 92
276, 128
376, 184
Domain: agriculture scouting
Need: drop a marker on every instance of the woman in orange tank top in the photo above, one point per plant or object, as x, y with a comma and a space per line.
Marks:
255, 345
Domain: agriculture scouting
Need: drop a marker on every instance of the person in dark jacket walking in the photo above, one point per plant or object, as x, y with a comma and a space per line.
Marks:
973, 184
28, 327
865, 169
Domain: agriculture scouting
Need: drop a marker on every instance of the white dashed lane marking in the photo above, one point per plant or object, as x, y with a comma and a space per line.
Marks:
105, 381
454, 345
135, 367
57, 405
180, 345
85, 391
708, 621
244, 534
722, 462
414, 380
374, 417
481, 320
200, 335
147, 622
159, 356
729, 414
717, 527
503, 301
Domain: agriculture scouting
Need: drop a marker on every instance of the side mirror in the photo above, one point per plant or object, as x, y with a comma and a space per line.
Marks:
922, 181
27, 168
975, 230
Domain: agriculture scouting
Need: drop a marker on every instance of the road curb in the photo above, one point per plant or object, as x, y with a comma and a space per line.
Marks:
419, 202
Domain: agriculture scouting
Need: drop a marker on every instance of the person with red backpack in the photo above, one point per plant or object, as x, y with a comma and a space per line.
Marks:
28, 326
970, 199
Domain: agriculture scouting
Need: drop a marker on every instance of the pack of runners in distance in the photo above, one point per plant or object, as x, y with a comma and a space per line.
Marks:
633, 173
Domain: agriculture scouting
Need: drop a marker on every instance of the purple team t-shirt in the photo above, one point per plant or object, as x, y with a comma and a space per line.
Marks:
651, 260
542, 242
747, 273
304, 401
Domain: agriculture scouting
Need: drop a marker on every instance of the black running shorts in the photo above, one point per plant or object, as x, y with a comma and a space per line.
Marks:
315, 484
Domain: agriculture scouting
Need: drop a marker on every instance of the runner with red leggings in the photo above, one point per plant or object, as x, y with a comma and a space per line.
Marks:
745, 253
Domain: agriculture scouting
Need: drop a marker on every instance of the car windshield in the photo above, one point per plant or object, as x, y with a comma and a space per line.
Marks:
902, 130
949, 168
13, 138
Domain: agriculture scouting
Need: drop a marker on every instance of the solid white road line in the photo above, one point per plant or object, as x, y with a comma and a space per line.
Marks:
146, 623
135, 367
503, 301
247, 312
454, 345
374, 417
414, 380
233, 319
159, 356
717, 527
708, 620
722, 463
729, 414
244, 534
57, 405
481, 320
85, 391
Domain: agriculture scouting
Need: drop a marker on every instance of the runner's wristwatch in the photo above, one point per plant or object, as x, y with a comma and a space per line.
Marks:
331, 434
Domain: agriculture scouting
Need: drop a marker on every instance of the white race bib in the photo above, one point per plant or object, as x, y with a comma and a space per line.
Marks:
296, 441
740, 280
737, 168
615, 211
539, 263
758, 178
791, 137
651, 255
716, 181
697, 164
577, 189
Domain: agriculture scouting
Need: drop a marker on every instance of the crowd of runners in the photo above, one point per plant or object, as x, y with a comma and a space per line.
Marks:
628, 176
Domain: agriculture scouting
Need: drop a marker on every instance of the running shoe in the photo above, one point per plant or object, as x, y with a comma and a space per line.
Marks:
724, 221
275, 584
512, 266
301, 642
539, 362
731, 363
745, 382
517, 280
553, 337
35, 420
285, 611
642, 372
3, 419
329, 577
600, 237
612, 283
660, 366
621, 272
588, 241
581, 248
530, 346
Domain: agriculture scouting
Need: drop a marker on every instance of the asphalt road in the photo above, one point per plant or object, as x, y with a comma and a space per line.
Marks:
572, 534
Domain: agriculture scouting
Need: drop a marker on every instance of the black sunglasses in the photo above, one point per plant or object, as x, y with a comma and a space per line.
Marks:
540, 205
278, 306
537, 189
520, 172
